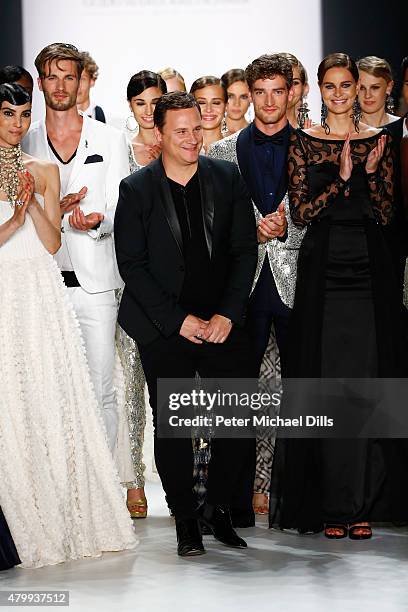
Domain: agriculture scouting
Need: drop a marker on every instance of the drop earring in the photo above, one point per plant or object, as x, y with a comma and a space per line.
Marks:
323, 117
356, 114
303, 113
389, 104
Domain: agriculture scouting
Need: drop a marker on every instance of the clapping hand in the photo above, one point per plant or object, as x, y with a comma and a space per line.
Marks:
26, 187
84, 223
24, 195
375, 155
153, 151
71, 200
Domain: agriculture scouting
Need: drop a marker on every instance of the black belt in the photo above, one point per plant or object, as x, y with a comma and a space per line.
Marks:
70, 279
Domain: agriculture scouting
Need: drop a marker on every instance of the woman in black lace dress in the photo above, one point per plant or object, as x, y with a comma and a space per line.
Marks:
345, 321
8, 552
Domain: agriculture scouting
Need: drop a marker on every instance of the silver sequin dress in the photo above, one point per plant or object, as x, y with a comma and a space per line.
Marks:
134, 387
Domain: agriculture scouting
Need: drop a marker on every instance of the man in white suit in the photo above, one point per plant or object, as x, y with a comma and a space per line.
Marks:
92, 159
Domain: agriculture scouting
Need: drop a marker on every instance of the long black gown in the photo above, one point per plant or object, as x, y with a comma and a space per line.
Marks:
345, 324
8, 553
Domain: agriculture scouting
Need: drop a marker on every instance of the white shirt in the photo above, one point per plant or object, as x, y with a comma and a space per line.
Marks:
62, 256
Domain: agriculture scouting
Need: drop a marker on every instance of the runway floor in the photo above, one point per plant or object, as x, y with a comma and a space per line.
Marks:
278, 571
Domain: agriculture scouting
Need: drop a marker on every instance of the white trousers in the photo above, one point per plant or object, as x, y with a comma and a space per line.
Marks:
97, 314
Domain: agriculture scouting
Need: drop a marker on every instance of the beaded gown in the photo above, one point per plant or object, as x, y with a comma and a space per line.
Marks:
134, 385
55, 463
345, 324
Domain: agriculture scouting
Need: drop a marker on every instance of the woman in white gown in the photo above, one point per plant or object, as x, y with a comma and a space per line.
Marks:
59, 492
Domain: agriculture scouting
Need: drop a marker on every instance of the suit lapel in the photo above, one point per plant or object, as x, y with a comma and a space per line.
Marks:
207, 200
167, 202
246, 166
82, 152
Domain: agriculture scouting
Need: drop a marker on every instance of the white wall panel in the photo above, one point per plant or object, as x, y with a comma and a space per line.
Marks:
197, 37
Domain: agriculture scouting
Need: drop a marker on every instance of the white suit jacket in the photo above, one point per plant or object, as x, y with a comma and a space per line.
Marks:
101, 162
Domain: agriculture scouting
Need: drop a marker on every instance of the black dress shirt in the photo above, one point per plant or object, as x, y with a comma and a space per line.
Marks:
195, 297
269, 159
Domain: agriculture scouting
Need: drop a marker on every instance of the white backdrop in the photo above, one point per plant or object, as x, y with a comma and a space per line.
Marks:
197, 37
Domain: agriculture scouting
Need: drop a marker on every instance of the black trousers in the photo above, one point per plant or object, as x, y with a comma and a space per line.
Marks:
265, 308
176, 357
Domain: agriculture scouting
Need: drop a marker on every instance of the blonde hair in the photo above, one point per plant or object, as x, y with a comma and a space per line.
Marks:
376, 66
90, 65
170, 73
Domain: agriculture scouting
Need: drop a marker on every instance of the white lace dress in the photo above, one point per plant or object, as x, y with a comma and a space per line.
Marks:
59, 489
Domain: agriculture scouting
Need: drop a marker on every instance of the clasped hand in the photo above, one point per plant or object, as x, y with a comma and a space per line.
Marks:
79, 221
197, 330
273, 225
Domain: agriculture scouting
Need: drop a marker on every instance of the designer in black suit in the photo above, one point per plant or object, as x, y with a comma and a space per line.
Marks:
186, 248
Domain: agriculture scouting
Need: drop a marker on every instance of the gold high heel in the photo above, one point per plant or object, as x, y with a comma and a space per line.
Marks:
260, 507
137, 508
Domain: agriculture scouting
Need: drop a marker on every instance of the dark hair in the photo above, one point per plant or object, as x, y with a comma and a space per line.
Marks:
337, 60
14, 94
234, 75
58, 52
295, 63
268, 67
208, 81
143, 80
175, 100
11, 74
404, 67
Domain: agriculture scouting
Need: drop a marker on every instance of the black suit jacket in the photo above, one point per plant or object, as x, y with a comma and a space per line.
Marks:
149, 247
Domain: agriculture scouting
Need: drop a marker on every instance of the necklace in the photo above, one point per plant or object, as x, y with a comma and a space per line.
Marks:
10, 164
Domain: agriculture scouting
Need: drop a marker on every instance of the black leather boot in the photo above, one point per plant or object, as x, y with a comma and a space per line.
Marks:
218, 519
189, 540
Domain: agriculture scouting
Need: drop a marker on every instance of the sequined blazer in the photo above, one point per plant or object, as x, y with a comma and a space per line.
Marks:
282, 254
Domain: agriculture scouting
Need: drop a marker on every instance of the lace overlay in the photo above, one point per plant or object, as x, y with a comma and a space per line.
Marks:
55, 464
308, 154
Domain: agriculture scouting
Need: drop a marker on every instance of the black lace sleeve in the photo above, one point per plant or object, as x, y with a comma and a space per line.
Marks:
303, 208
381, 186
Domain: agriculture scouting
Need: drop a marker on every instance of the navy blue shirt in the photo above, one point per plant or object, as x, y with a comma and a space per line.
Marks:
270, 156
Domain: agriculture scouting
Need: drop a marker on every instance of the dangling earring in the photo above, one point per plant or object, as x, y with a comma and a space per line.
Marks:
323, 117
303, 113
131, 123
356, 114
389, 104
224, 127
